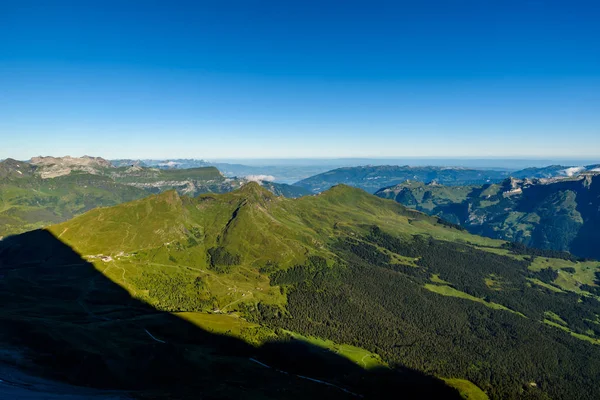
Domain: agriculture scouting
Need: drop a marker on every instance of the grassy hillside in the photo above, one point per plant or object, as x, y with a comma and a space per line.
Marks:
31, 202
29, 199
63, 319
374, 283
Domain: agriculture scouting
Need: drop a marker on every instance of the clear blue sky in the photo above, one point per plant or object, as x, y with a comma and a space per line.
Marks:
259, 79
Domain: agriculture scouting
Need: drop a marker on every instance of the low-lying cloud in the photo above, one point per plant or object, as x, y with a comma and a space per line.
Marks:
258, 178
573, 171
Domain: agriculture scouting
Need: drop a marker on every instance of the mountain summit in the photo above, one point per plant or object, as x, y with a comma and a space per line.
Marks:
13, 169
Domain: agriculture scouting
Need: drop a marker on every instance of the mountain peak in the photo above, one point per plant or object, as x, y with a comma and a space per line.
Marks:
11, 162
253, 190
14, 168
344, 192
343, 188
169, 196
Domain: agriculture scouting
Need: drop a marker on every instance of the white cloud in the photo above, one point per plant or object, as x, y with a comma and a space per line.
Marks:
258, 178
572, 171
169, 164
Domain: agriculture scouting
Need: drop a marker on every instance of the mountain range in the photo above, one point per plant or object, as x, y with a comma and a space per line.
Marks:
372, 178
414, 305
48, 190
163, 278
561, 214
286, 173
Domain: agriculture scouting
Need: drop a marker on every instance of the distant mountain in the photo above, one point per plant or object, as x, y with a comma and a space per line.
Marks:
558, 213
52, 189
279, 173
128, 163
350, 295
11, 169
51, 167
553, 171
194, 181
319, 176
373, 178
281, 189
28, 201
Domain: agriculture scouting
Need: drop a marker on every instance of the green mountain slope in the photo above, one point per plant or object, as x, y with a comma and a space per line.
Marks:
357, 270
31, 202
55, 189
557, 214
63, 319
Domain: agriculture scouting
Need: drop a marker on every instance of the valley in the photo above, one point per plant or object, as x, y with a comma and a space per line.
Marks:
560, 214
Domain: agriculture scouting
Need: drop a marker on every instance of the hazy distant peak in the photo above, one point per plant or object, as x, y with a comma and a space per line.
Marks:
15, 169
52, 167
71, 161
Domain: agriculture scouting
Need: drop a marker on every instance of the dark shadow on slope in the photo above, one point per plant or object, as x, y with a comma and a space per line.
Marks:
76, 325
588, 205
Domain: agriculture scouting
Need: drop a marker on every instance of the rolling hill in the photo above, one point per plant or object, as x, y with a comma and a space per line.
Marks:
559, 214
402, 295
50, 190
29, 202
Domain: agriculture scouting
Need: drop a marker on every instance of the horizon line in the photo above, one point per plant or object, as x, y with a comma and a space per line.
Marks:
501, 157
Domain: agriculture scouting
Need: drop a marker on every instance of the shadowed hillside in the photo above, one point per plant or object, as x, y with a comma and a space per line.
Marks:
71, 323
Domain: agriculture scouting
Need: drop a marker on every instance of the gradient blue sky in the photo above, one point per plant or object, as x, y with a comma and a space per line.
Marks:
260, 79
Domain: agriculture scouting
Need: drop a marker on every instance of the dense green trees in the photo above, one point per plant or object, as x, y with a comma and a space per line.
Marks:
519, 248
372, 303
176, 292
222, 260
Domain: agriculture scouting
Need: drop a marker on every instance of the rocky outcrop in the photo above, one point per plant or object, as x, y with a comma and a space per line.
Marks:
51, 167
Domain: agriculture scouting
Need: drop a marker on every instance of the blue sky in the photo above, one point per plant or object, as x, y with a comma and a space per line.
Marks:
260, 79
